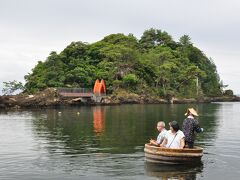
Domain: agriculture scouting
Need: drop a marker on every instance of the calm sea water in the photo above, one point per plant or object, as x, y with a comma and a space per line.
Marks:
106, 142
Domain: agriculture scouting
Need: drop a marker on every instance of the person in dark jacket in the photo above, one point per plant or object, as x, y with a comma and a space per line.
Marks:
190, 126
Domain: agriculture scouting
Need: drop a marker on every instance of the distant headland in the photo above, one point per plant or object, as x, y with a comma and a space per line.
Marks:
152, 69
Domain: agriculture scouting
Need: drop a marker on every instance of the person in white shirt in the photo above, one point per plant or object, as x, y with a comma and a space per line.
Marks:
174, 137
162, 133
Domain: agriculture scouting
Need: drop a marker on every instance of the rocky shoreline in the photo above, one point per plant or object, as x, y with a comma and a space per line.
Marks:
51, 98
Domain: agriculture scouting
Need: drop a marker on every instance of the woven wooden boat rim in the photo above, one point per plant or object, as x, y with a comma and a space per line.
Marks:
186, 152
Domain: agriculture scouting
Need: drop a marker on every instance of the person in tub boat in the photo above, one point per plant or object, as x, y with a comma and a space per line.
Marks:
174, 138
162, 133
190, 126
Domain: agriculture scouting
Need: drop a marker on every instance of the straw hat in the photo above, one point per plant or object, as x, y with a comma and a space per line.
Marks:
192, 111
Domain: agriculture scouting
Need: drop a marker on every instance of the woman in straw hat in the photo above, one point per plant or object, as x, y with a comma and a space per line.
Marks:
190, 126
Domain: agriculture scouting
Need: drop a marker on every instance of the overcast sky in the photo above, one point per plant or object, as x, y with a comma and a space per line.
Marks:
31, 29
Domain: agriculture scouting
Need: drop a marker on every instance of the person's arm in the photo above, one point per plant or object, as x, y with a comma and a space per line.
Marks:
197, 127
164, 143
154, 142
182, 143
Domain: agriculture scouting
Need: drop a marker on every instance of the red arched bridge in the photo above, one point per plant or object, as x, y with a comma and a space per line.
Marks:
96, 94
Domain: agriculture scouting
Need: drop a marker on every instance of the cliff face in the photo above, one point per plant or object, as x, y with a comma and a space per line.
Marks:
48, 97
51, 98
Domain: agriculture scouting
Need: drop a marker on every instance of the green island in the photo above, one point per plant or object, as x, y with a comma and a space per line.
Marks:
152, 69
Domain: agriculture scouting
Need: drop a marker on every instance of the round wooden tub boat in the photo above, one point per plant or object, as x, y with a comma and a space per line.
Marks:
154, 154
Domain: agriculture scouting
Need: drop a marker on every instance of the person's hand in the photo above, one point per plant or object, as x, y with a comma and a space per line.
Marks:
152, 141
161, 145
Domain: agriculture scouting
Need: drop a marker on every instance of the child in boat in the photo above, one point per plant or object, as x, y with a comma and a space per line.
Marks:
174, 137
162, 133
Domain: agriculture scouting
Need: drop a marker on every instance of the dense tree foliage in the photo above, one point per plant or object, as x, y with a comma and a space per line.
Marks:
153, 64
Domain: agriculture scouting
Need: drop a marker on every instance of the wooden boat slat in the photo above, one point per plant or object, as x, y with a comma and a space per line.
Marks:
173, 153
185, 150
172, 156
171, 159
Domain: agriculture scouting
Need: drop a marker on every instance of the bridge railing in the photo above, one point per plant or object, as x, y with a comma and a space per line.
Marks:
75, 90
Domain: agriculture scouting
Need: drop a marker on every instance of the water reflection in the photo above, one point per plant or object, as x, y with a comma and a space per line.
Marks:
115, 129
181, 172
99, 119
108, 141
209, 121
